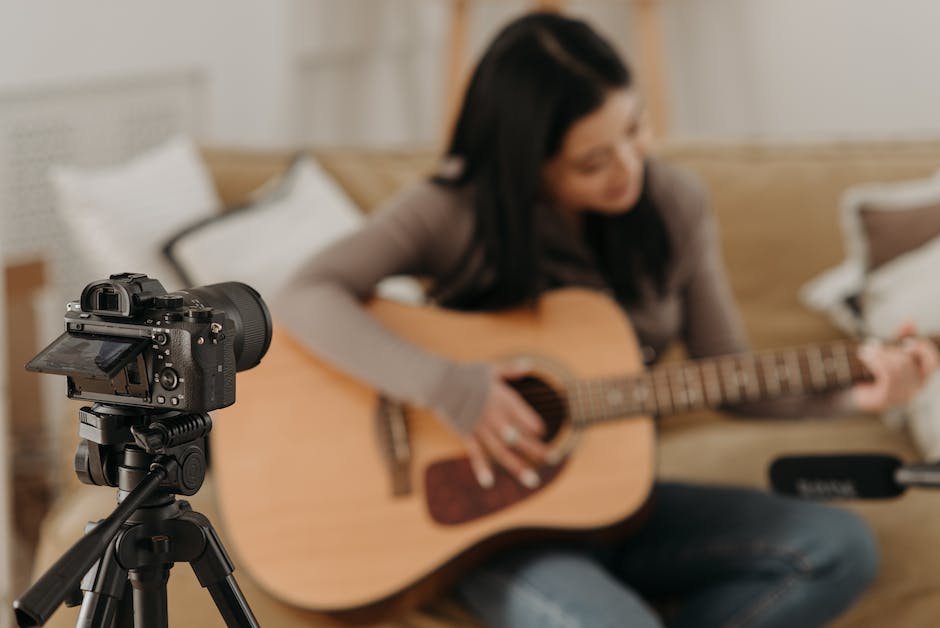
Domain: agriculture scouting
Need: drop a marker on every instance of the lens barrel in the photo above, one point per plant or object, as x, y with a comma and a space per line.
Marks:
246, 308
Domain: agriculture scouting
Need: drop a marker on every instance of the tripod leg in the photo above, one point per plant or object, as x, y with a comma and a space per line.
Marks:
232, 604
125, 611
149, 585
214, 570
104, 586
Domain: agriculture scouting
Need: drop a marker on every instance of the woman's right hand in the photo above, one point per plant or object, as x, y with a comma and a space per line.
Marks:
508, 432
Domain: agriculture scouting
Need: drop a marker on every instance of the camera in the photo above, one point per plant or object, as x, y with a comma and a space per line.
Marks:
155, 364
129, 342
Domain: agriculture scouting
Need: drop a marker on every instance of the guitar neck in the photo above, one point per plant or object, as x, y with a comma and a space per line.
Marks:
724, 380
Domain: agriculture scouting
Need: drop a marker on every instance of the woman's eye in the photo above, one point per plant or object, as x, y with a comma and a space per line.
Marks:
591, 168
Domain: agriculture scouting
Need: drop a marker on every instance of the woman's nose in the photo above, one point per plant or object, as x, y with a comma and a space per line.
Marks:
627, 155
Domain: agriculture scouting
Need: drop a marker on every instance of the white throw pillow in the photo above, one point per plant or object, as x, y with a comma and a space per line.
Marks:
904, 289
889, 270
264, 243
120, 216
829, 291
908, 289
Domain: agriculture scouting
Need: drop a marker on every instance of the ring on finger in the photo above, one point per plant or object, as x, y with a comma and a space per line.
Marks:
509, 434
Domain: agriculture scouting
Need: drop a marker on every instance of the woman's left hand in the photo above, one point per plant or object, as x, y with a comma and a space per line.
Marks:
900, 370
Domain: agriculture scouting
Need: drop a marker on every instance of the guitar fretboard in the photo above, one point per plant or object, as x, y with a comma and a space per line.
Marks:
713, 382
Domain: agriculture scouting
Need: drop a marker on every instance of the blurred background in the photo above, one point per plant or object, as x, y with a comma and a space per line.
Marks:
96, 82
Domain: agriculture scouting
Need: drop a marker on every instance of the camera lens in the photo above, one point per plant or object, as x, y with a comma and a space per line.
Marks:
247, 309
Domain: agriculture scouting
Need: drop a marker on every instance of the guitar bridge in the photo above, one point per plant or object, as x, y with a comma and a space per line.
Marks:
394, 444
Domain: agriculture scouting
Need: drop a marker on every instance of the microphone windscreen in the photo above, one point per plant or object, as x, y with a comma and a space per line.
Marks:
856, 476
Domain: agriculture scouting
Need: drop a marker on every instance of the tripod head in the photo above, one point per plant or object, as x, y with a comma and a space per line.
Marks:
114, 435
150, 458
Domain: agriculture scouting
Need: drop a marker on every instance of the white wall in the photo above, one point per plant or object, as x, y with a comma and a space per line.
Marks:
368, 72
284, 72
241, 47
6, 500
804, 68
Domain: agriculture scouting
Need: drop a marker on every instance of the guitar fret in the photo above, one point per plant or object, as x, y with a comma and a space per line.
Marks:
730, 380
677, 389
652, 405
771, 375
751, 381
576, 400
712, 383
614, 398
596, 409
817, 369
693, 385
842, 366
794, 375
661, 390
614, 394
830, 366
591, 399
641, 393
627, 405
592, 402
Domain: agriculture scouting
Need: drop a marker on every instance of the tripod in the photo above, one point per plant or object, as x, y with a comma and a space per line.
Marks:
123, 562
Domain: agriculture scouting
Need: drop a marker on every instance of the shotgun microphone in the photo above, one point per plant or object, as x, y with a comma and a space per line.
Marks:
852, 476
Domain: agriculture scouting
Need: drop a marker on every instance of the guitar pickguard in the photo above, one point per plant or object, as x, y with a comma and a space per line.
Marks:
452, 492
454, 496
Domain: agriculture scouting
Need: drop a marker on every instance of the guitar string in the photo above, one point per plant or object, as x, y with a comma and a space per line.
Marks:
593, 391
580, 393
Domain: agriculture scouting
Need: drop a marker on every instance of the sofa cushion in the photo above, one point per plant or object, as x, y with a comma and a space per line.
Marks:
266, 241
880, 222
263, 242
891, 234
120, 215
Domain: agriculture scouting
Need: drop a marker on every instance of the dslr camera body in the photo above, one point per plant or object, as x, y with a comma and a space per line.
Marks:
128, 342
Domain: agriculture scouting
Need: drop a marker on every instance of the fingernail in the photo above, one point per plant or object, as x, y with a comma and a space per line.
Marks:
485, 478
909, 341
554, 456
523, 364
529, 478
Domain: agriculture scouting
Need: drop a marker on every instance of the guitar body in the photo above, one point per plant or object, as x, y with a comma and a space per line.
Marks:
307, 496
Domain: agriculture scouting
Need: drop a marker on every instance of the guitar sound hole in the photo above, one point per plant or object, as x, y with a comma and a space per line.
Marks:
545, 400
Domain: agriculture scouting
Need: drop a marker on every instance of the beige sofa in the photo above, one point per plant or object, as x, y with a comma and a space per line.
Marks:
777, 209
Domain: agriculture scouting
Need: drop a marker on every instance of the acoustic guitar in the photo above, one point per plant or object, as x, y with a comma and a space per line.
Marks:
338, 499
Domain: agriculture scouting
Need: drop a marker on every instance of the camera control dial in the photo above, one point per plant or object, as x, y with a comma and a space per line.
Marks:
168, 301
198, 314
169, 379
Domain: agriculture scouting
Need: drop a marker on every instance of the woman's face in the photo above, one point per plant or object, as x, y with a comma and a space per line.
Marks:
600, 163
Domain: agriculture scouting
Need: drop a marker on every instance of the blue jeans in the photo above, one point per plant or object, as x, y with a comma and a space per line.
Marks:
720, 556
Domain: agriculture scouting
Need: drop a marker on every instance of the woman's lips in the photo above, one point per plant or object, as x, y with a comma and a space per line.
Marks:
618, 193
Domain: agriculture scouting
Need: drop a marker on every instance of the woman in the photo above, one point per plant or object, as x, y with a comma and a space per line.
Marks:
548, 183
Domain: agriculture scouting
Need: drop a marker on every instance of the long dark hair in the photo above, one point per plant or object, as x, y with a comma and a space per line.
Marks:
541, 74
